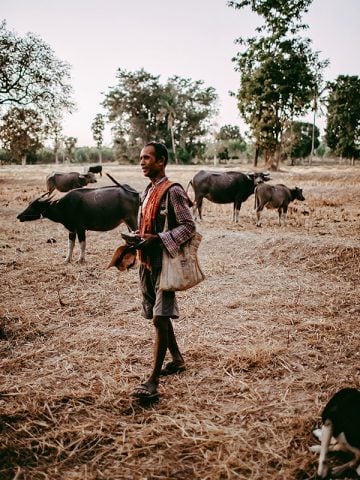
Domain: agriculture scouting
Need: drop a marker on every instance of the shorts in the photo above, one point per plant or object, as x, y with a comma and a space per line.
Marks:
155, 302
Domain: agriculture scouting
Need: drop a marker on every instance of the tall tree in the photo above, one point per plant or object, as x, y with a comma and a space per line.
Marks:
31, 76
230, 142
299, 139
278, 73
342, 133
177, 112
21, 132
70, 144
97, 128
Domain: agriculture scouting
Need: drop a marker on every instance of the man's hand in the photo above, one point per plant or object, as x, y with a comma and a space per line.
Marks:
149, 239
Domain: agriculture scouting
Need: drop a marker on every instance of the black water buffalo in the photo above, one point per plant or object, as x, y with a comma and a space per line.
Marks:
227, 187
275, 196
64, 182
95, 169
98, 209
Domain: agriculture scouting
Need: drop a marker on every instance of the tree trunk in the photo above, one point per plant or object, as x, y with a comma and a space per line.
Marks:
23, 159
100, 156
173, 144
272, 160
256, 158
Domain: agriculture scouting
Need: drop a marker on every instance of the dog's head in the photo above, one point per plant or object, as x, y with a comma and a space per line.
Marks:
124, 258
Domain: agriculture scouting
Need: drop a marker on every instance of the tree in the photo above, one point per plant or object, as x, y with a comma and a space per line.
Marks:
70, 144
299, 139
21, 132
342, 133
176, 113
279, 73
230, 143
32, 77
97, 128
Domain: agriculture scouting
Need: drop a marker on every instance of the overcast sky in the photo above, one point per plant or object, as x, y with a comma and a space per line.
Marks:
189, 38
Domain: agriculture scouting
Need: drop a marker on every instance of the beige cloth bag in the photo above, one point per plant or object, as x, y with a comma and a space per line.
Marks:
182, 271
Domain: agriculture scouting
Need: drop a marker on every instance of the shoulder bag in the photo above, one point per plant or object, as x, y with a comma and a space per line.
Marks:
182, 271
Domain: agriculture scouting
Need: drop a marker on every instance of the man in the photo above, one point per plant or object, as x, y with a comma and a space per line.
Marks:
158, 305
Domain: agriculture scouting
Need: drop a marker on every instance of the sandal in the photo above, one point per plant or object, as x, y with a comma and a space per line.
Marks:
145, 391
172, 368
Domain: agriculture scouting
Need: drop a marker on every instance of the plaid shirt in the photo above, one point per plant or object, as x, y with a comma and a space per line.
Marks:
181, 225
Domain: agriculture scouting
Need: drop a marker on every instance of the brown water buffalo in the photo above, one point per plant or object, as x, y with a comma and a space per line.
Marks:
64, 182
275, 196
226, 187
98, 209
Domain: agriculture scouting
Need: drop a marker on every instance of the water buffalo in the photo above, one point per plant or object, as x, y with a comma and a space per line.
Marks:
340, 432
275, 196
65, 182
98, 209
227, 187
95, 169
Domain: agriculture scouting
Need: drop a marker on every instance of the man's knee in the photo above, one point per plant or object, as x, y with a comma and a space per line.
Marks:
161, 323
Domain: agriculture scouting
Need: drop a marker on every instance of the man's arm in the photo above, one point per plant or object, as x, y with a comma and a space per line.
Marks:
185, 225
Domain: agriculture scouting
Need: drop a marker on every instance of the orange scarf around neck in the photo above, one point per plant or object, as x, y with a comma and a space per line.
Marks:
148, 215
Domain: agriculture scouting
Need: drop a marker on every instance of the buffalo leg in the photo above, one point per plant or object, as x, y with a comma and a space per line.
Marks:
71, 245
258, 216
236, 211
198, 207
82, 243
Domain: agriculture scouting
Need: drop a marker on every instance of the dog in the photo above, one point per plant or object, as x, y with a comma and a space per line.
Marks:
124, 258
340, 432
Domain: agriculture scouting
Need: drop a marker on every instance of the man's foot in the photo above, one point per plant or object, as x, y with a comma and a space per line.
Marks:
171, 368
146, 390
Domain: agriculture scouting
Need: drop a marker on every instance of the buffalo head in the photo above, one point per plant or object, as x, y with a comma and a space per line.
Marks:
35, 209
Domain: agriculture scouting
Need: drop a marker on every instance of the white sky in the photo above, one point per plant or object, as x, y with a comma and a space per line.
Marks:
189, 38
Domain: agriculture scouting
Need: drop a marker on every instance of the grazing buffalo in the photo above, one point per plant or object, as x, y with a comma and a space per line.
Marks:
65, 182
227, 187
340, 432
95, 169
275, 196
98, 209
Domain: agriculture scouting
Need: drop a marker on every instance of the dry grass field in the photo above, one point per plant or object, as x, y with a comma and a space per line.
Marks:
268, 337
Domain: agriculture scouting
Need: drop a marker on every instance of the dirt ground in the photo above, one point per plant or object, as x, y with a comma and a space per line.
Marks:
268, 337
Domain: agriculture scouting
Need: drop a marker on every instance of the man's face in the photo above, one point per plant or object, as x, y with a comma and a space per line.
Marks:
151, 167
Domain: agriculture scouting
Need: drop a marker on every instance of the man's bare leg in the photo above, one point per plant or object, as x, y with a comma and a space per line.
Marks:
149, 388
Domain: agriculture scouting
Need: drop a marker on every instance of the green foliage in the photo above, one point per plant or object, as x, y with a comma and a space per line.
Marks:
70, 144
297, 139
230, 143
31, 76
279, 73
97, 128
142, 109
342, 133
280, 16
21, 132
91, 155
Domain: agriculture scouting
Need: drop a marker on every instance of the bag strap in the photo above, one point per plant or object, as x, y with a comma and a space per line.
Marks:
166, 211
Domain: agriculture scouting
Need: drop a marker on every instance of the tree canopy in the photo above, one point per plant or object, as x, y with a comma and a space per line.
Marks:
177, 112
279, 73
342, 133
31, 76
21, 133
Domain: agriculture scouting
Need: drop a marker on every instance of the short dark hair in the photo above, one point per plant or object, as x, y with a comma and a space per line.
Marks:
160, 151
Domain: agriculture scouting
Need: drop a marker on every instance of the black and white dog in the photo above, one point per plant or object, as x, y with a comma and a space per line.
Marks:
340, 431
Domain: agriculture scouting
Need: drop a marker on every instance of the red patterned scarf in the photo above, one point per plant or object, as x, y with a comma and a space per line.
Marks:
148, 215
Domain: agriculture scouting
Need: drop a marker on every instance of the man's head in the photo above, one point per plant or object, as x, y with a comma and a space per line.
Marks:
153, 160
